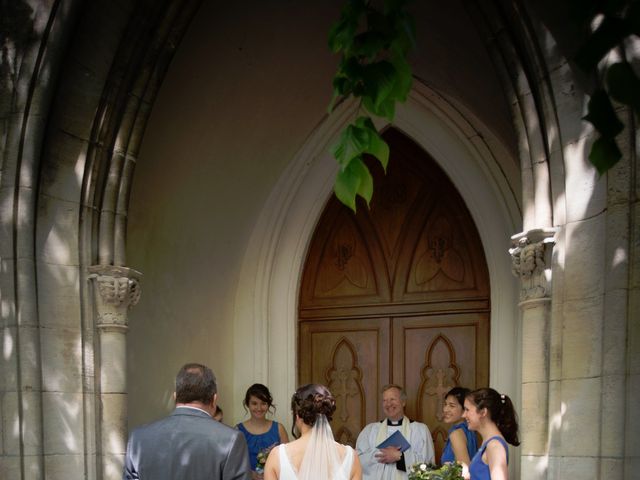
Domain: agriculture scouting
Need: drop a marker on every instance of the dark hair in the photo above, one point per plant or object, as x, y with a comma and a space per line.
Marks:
312, 400
261, 392
195, 383
218, 410
459, 393
500, 410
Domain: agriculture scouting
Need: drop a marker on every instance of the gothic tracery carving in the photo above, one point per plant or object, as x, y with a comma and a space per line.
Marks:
344, 379
439, 374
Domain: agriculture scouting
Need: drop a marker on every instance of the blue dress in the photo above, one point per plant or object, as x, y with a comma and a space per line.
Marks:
472, 443
480, 470
268, 439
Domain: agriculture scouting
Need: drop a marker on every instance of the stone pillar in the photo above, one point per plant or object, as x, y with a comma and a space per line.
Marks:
116, 289
531, 262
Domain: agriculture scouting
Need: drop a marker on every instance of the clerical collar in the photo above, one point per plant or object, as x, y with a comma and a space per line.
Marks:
394, 423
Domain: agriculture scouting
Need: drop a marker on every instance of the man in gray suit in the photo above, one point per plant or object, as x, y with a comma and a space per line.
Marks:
189, 443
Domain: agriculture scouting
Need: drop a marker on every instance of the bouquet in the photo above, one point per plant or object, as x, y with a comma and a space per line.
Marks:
262, 458
429, 471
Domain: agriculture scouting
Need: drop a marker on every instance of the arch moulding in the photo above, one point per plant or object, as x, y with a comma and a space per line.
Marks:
268, 288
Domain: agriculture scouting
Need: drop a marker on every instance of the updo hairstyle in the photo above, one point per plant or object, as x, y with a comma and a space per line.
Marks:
500, 410
262, 393
312, 400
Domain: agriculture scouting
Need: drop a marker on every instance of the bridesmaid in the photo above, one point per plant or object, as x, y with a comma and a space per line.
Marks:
492, 415
461, 443
259, 432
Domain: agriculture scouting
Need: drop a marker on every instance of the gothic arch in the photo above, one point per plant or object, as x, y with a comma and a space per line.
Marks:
277, 249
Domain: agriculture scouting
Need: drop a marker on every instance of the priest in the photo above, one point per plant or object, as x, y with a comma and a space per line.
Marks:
390, 462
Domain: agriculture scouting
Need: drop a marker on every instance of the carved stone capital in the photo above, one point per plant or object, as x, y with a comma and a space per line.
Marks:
531, 262
116, 290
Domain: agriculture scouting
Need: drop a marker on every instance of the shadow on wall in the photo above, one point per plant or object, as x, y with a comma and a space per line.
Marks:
16, 32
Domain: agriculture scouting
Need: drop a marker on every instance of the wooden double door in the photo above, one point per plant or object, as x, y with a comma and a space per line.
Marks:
398, 293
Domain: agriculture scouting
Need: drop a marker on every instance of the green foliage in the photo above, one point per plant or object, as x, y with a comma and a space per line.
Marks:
374, 46
429, 471
621, 18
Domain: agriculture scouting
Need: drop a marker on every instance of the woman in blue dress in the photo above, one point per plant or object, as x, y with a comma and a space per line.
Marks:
461, 443
260, 433
492, 415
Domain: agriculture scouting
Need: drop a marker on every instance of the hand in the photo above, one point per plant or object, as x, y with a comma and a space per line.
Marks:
389, 455
256, 476
465, 472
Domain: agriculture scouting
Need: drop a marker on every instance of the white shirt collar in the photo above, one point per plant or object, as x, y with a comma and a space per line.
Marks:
194, 408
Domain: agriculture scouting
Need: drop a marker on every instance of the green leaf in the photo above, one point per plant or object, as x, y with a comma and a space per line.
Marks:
623, 85
403, 80
353, 141
342, 32
354, 180
609, 34
346, 188
386, 109
365, 184
369, 44
377, 146
341, 35
380, 79
603, 116
604, 154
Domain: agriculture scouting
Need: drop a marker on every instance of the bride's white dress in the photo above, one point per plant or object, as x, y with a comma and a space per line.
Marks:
288, 473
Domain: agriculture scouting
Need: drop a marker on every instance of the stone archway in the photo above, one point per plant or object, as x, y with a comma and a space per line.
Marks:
276, 252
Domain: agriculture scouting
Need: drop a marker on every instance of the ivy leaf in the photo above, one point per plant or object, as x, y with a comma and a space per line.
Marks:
346, 188
380, 79
603, 116
404, 79
358, 139
604, 154
377, 146
365, 186
368, 44
342, 32
386, 109
610, 32
624, 86
353, 142
354, 180
341, 35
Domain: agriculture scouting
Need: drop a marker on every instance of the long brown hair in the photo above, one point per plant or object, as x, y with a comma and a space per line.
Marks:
500, 410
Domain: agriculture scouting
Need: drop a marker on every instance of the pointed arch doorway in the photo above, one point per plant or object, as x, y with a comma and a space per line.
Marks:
395, 294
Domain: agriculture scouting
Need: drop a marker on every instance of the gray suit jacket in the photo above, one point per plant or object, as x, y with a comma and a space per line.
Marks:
187, 445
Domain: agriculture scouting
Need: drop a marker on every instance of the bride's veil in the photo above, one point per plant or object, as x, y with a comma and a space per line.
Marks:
321, 459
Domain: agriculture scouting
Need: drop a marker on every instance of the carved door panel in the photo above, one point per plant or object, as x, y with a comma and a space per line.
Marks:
431, 355
395, 293
351, 358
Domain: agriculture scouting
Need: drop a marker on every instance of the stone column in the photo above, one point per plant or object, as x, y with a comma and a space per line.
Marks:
531, 262
116, 289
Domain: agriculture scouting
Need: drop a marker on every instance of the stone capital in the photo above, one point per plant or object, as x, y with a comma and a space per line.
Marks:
116, 290
531, 262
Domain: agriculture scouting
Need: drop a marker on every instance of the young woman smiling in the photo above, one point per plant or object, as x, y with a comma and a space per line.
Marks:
461, 443
260, 433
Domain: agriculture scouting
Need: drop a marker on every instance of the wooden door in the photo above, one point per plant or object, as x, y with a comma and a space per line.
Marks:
395, 294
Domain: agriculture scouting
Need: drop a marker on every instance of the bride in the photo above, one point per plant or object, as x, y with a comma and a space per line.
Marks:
314, 455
